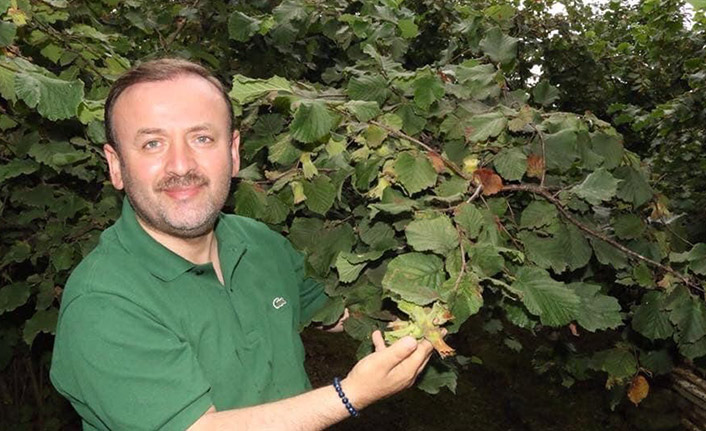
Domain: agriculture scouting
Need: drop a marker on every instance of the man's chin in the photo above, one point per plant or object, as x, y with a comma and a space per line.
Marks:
188, 230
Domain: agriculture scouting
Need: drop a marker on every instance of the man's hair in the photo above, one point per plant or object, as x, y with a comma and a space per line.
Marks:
163, 69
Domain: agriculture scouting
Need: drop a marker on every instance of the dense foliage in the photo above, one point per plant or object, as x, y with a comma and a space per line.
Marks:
405, 146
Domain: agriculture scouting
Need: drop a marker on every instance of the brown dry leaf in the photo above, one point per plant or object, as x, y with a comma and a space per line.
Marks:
492, 183
535, 166
437, 162
638, 390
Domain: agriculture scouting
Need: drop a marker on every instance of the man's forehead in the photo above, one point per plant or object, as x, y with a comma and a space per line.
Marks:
182, 84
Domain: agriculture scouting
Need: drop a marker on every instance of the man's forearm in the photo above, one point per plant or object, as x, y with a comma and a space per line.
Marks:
382, 373
311, 411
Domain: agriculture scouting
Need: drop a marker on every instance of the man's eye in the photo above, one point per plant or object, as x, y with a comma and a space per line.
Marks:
204, 139
151, 145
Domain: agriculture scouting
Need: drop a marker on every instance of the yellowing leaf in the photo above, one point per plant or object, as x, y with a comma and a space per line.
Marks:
535, 166
492, 183
638, 390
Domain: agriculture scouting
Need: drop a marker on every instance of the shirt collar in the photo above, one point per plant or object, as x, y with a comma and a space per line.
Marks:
164, 263
159, 260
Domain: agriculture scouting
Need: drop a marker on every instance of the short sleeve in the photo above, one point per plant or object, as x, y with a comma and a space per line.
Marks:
312, 296
123, 369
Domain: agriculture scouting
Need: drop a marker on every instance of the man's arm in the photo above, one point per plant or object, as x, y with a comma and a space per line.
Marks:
385, 372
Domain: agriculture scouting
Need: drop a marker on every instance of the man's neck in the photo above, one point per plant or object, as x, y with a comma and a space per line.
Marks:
199, 250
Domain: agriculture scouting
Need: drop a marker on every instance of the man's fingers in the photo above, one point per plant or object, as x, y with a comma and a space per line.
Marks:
378, 341
400, 350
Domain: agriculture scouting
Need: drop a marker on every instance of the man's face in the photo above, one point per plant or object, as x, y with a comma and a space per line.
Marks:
176, 153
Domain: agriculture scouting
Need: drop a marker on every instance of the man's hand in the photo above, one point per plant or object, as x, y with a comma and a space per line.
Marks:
386, 371
338, 326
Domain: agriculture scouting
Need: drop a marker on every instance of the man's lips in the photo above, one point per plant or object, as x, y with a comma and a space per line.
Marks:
182, 193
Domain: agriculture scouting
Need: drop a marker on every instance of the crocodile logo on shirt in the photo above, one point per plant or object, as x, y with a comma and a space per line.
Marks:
279, 302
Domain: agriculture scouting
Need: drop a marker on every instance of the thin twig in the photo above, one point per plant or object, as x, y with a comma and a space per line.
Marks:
531, 188
463, 261
451, 165
544, 154
475, 194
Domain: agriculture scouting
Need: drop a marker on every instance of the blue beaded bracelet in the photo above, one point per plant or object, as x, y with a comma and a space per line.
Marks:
346, 402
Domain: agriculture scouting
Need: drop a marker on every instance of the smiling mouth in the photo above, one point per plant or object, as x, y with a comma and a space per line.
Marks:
182, 187
182, 193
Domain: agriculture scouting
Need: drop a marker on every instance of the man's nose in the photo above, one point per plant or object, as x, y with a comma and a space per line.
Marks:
180, 158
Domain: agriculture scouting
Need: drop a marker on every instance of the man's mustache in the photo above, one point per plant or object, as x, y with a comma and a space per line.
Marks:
189, 179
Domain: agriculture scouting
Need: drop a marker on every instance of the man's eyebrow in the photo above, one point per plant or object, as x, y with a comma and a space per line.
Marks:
200, 127
150, 131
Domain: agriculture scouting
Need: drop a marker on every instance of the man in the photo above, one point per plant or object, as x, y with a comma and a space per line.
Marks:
183, 317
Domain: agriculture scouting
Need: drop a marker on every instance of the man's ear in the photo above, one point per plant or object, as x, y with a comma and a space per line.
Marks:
235, 152
114, 167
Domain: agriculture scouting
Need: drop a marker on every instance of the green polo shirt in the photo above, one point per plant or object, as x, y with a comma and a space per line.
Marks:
148, 340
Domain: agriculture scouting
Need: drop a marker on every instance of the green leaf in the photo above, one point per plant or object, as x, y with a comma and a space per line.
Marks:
8, 31
411, 122
538, 214
597, 311
250, 201
650, 319
689, 315
330, 312
464, 297
246, 90
437, 235
511, 164
598, 186
54, 98
379, 237
544, 93
470, 218
628, 226
697, 258
609, 255
241, 27
659, 362
486, 257
567, 249
560, 150
375, 135
484, 126
13, 296
500, 47
416, 277
17, 167
609, 147
63, 257
18, 252
517, 315
427, 90
634, 187
618, 363
311, 122
693, 350
552, 301
42, 321
408, 29
436, 376
364, 111
348, 272
320, 194
52, 52
414, 173
368, 87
